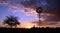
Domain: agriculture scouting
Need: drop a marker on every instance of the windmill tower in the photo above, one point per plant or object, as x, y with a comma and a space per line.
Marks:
39, 11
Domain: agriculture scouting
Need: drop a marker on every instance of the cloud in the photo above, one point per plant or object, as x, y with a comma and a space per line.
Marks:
4, 2
48, 24
26, 7
20, 8
13, 7
29, 8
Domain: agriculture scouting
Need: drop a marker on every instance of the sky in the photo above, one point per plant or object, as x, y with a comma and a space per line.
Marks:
25, 10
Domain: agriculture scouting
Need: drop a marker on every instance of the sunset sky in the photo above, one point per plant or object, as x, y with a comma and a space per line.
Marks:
25, 10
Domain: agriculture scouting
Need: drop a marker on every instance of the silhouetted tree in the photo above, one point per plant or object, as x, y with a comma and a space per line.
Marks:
11, 21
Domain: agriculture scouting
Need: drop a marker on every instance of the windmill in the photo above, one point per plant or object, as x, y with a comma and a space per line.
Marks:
39, 11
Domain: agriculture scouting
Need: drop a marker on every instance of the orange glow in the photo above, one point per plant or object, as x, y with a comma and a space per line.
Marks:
28, 26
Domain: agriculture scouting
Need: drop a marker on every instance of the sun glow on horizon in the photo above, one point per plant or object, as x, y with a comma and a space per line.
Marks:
28, 26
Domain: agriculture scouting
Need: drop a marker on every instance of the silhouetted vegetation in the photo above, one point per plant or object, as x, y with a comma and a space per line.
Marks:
11, 21
32, 30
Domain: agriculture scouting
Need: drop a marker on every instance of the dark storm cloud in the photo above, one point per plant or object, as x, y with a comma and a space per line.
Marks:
29, 2
49, 6
34, 3
54, 8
